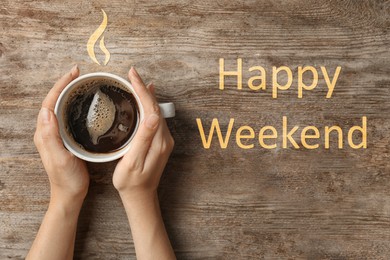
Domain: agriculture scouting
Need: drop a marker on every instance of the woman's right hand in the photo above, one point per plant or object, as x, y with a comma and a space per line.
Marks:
137, 176
138, 172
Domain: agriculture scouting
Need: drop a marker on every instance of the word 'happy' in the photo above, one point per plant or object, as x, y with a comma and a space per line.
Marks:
276, 72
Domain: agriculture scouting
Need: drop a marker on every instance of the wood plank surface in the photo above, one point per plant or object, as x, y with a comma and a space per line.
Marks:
217, 203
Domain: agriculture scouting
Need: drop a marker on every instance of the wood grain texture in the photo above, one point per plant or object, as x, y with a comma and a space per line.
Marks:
217, 204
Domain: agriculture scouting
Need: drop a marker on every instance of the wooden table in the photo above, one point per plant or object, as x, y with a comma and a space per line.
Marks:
217, 203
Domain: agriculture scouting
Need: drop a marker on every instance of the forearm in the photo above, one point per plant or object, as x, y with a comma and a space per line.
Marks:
147, 227
56, 236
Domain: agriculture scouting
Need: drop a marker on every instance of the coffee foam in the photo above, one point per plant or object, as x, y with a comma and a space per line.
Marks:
90, 85
101, 116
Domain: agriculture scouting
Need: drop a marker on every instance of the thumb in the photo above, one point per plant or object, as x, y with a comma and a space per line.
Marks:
142, 140
48, 136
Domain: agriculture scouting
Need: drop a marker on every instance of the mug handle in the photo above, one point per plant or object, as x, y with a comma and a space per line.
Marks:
167, 109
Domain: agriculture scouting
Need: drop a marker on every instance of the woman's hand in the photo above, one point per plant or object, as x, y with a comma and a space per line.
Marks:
139, 171
69, 182
68, 174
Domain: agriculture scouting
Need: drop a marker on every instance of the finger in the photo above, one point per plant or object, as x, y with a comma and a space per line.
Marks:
162, 142
51, 98
152, 91
148, 87
160, 148
48, 140
141, 143
163, 128
163, 123
147, 101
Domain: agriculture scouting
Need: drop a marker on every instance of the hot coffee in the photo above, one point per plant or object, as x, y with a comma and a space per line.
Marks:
101, 116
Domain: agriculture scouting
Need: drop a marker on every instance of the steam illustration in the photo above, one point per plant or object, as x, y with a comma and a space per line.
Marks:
93, 39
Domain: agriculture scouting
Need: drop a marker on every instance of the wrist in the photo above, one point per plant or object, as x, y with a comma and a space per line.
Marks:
65, 202
138, 198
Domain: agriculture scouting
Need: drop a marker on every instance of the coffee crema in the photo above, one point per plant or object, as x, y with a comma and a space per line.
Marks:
101, 116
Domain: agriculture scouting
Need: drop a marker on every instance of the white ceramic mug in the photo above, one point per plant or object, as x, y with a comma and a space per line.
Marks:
167, 110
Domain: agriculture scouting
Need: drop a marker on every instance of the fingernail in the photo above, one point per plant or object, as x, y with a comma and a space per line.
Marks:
44, 115
151, 87
152, 121
148, 86
74, 69
134, 71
